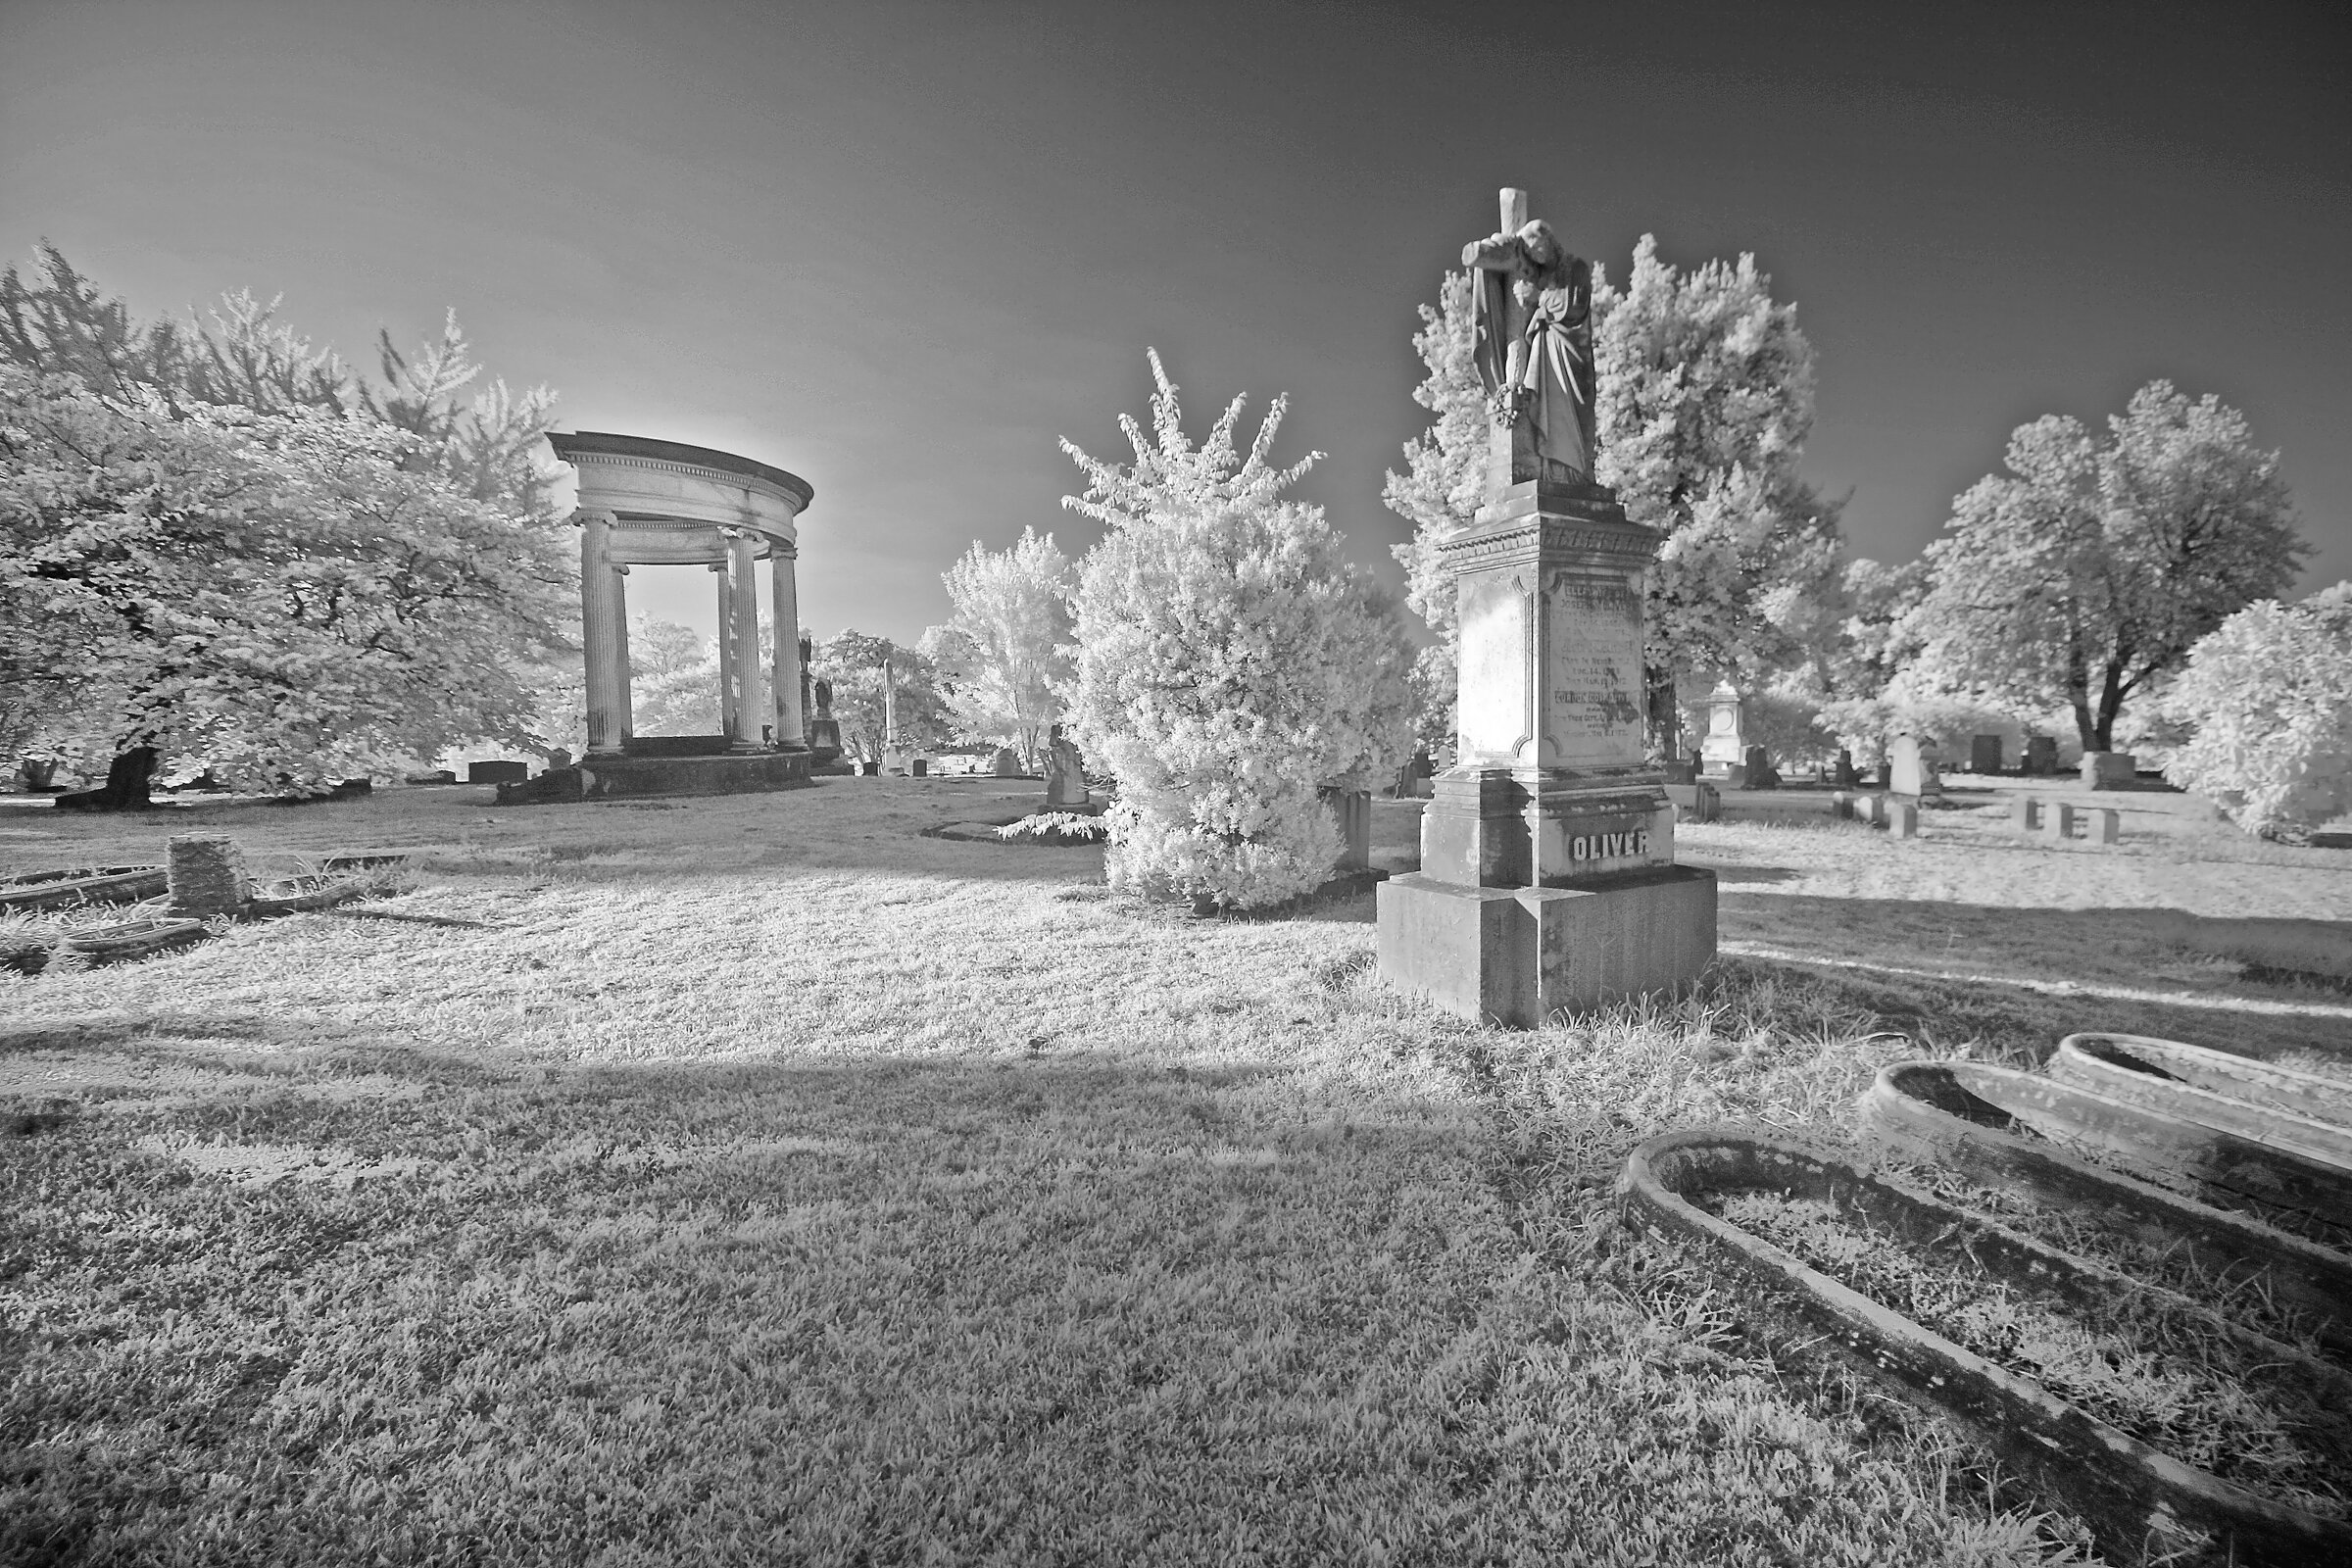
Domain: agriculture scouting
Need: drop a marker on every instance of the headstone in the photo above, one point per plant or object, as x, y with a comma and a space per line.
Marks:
1874, 808
2058, 820
2108, 771
497, 772
207, 876
2025, 814
1351, 808
1758, 771
919, 767
559, 757
1844, 805
1695, 802
2106, 825
439, 775
1911, 767
1681, 769
2042, 756
870, 769
1984, 754
1902, 818
1845, 777
1065, 775
1724, 748
1007, 764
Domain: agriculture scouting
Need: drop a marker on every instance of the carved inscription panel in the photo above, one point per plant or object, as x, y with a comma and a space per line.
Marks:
1591, 677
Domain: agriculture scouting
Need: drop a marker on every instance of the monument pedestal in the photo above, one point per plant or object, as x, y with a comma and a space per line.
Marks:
1516, 955
1547, 878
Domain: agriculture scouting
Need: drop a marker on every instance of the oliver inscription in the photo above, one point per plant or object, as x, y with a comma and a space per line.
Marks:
1594, 670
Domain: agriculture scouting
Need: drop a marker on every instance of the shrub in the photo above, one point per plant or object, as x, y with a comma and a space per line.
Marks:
1228, 661
2267, 696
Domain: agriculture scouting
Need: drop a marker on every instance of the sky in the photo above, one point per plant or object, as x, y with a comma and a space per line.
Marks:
901, 249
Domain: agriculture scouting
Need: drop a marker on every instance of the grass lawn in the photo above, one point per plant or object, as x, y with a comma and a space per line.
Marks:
762, 1180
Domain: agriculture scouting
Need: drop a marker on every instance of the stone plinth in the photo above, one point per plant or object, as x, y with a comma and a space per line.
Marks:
1516, 955
1547, 876
629, 777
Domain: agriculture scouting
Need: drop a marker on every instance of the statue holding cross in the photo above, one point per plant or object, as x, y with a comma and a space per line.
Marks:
1533, 304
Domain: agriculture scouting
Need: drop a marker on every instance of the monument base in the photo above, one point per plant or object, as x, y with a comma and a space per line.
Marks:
599, 778
1516, 955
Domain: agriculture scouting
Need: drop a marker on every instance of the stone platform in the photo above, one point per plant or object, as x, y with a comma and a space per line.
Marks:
631, 777
1516, 955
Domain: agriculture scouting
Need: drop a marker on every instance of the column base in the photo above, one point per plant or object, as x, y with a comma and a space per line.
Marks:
1516, 955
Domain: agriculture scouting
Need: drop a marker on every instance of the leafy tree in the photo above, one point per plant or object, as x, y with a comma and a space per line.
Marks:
1229, 661
860, 668
1005, 651
2268, 695
421, 476
2091, 569
1705, 400
279, 598
673, 677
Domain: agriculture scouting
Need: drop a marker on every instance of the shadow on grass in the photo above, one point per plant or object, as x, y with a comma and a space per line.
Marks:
2088, 969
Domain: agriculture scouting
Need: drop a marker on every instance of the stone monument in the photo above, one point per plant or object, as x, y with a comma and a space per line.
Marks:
1911, 760
1725, 747
1547, 878
1065, 775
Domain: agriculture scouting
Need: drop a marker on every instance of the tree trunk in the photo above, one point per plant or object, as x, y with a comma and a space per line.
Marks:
128, 778
2111, 702
1665, 712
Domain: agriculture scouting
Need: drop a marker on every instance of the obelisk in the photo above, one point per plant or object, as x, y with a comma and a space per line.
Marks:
1547, 878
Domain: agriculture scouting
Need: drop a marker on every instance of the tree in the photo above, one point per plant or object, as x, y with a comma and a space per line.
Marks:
1229, 662
2092, 569
1009, 651
420, 476
279, 598
674, 678
860, 668
2267, 696
1705, 400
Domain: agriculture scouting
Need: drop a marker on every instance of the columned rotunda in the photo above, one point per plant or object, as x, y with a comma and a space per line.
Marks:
652, 503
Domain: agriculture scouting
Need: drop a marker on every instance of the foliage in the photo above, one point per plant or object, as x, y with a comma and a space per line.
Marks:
282, 598
2092, 569
1057, 827
2268, 697
673, 677
1705, 399
1009, 649
429, 542
860, 668
1229, 661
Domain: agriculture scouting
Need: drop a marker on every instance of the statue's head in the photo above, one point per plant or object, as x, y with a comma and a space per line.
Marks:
1542, 246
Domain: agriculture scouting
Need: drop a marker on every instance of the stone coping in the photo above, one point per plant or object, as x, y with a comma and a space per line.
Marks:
605, 443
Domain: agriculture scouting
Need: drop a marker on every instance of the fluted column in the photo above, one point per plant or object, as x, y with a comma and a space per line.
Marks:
599, 634
626, 705
751, 695
727, 720
784, 593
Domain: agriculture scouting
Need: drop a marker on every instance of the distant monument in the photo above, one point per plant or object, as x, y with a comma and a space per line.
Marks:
1547, 878
1725, 746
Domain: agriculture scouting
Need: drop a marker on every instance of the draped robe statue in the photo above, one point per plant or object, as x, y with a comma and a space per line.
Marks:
1533, 304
